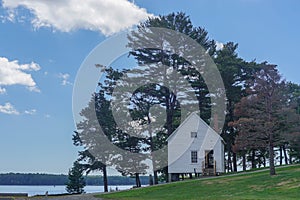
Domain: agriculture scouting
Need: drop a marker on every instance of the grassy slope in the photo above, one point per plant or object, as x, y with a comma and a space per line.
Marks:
253, 185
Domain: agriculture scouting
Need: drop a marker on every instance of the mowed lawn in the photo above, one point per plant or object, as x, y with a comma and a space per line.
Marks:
252, 185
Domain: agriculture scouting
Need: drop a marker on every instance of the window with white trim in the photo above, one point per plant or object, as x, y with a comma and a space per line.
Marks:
194, 156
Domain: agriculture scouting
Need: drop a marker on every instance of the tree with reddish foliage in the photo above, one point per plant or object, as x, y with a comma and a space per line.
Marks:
260, 114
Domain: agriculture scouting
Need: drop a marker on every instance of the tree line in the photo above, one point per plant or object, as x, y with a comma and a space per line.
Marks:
52, 179
262, 109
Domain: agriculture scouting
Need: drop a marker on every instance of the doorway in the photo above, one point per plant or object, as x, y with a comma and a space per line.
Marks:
209, 159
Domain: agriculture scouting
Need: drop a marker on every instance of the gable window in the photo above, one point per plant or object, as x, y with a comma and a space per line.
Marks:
193, 134
194, 156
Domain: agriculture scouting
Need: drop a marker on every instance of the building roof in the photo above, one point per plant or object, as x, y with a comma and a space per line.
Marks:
201, 120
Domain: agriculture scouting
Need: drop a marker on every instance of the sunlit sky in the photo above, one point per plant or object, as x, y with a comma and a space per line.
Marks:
43, 43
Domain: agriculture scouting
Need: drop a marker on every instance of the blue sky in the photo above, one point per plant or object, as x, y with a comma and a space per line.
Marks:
42, 46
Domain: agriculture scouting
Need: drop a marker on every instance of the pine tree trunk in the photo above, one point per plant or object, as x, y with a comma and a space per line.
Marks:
290, 159
285, 155
169, 112
271, 152
244, 161
152, 150
253, 163
150, 180
137, 180
105, 179
155, 177
280, 155
234, 161
271, 138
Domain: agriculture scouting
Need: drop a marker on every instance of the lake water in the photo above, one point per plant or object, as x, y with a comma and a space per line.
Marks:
40, 190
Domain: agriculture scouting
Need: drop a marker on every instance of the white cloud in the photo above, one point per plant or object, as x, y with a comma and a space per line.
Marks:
9, 109
47, 116
33, 89
2, 90
30, 112
219, 45
65, 79
13, 73
106, 16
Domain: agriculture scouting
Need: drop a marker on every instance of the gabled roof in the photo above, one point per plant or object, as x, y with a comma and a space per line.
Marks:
201, 120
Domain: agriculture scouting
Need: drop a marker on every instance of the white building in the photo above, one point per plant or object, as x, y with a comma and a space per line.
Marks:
194, 147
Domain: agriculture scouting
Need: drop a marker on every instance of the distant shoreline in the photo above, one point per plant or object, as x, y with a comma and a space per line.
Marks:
52, 179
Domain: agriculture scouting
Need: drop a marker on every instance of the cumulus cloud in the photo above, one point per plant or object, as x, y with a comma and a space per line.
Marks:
65, 79
106, 16
9, 109
30, 112
13, 73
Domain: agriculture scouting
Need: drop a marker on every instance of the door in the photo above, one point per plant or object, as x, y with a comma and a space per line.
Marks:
209, 159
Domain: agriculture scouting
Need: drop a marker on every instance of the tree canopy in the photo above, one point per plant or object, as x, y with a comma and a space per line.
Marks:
261, 110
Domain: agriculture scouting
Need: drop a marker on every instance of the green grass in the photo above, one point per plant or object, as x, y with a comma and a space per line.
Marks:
253, 185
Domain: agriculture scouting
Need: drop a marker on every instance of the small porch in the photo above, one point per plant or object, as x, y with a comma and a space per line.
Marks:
209, 164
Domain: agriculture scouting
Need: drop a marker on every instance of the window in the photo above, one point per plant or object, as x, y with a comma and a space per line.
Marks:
193, 134
194, 156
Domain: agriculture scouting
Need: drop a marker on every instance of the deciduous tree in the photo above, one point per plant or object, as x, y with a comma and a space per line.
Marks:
259, 113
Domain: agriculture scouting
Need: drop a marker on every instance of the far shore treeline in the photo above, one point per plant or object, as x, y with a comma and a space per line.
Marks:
52, 179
